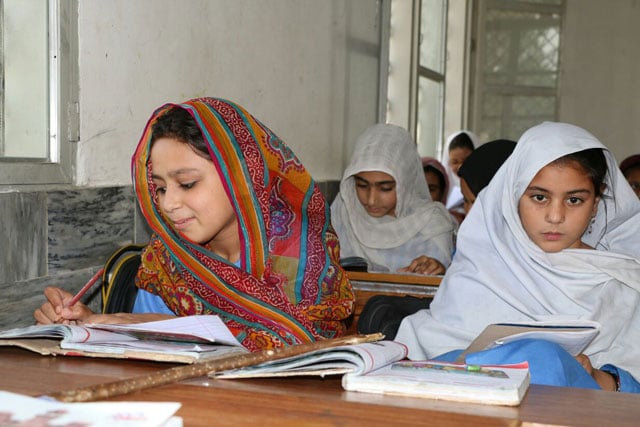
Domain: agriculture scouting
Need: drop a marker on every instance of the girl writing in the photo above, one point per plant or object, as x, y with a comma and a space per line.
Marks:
240, 231
552, 237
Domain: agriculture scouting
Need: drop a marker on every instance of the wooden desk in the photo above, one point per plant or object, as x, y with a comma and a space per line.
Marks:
395, 279
311, 401
365, 285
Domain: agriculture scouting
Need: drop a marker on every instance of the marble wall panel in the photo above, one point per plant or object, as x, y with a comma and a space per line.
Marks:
85, 226
23, 247
18, 300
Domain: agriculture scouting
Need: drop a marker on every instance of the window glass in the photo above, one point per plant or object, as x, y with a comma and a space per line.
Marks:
432, 27
429, 129
25, 131
517, 66
39, 100
431, 76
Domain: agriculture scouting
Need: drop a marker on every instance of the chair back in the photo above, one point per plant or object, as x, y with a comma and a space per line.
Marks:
118, 279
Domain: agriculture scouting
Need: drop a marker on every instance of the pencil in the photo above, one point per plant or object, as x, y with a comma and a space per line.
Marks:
85, 288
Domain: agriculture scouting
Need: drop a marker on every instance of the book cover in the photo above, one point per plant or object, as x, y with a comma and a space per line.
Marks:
573, 335
185, 339
492, 385
20, 410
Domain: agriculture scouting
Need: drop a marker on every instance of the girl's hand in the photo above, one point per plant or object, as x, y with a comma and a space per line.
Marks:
54, 310
604, 379
424, 265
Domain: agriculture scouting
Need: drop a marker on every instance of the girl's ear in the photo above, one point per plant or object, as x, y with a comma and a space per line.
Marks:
603, 187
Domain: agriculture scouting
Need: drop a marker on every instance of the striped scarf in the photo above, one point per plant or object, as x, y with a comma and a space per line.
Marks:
289, 287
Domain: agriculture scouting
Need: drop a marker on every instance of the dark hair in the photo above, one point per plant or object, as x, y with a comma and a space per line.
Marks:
461, 140
594, 164
429, 168
177, 123
483, 163
630, 164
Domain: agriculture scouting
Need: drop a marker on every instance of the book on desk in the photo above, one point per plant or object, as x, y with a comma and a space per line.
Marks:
381, 367
187, 339
367, 364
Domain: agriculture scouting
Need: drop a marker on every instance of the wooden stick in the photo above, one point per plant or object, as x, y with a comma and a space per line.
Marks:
179, 373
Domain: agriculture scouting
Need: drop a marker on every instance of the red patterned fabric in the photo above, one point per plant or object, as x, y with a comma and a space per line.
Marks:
289, 287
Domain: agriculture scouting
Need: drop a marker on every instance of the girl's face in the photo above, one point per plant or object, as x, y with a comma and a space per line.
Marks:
433, 181
192, 198
558, 206
467, 195
457, 156
377, 193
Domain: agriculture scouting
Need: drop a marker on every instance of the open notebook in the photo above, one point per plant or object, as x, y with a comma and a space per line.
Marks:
185, 339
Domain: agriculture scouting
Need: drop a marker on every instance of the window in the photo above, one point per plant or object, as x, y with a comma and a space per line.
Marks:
416, 76
516, 66
38, 102
431, 76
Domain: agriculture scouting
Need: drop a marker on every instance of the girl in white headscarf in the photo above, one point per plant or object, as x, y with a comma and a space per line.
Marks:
524, 254
384, 212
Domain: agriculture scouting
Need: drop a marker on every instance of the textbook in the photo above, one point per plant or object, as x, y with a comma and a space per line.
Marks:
186, 339
573, 335
20, 410
491, 385
335, 360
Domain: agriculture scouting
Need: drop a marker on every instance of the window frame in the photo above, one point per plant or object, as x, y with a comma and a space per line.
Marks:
434, 76
63, 131
479, 88
406, 70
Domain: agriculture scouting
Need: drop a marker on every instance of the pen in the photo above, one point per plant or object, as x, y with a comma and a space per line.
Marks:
85, 288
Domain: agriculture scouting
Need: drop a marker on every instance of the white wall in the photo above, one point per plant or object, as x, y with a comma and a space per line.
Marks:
600, 80
307, 69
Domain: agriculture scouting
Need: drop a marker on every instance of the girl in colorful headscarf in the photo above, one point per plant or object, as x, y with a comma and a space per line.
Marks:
240, 230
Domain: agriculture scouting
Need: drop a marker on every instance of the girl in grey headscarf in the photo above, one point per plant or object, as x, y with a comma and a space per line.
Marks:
384, 212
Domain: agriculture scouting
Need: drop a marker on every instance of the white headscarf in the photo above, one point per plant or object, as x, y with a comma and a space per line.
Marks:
390, 149
500, 275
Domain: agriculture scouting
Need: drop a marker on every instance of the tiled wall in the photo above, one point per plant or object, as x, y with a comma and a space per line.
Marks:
58, 238
62, 238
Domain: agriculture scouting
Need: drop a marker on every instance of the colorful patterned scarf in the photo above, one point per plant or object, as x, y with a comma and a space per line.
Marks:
289, 287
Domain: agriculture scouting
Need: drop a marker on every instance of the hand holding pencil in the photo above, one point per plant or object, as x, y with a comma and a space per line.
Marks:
63, 307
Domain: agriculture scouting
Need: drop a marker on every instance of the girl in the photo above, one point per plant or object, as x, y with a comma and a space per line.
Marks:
384, 213
478, 169
436, 176
240, 231
459, 145
552, 237
630, 168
